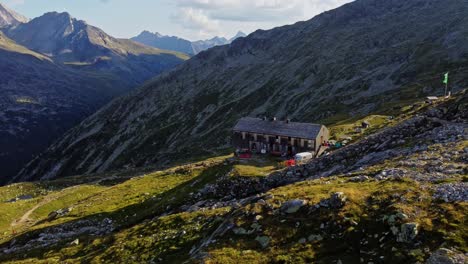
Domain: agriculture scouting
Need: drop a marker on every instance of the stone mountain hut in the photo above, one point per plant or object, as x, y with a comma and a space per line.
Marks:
278, 137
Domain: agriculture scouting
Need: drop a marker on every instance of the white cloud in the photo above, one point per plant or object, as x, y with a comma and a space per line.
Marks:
13, 3
196, 20
211, 16
246, 10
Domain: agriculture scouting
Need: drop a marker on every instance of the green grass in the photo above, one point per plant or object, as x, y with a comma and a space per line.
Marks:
26, 100
128, 203
10, 45
348, 128
258, 166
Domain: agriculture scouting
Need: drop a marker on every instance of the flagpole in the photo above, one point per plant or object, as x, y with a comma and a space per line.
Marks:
446, 80
449, 92
446, 88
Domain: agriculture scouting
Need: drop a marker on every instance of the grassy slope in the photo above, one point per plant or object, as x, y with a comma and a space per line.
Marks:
9, 45
137, 202
361, 219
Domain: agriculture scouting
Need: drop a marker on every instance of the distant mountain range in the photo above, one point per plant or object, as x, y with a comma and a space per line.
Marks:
368, 56
54, 71
182, 45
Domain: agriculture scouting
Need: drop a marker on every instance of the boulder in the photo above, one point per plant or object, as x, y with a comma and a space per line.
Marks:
337, 200
256, 226
312, 238
402, 216
58, 213
264, 241
20, 198
361, 178
239, 231
408, 232
446, 256
52, 215
292, 206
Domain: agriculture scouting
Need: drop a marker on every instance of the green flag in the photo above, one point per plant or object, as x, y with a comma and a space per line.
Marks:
446, 78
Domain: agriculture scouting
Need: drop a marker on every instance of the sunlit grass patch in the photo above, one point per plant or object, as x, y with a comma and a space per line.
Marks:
258, 166
26, 100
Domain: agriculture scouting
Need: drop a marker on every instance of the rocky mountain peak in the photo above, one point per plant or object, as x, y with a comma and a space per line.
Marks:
57, 19
219, 39
239, 34
147, 33
9, 17
52, 33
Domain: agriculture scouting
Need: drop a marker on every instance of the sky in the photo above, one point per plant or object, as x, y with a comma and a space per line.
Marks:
190, 19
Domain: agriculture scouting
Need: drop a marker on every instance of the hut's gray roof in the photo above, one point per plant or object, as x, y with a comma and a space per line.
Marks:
278, 128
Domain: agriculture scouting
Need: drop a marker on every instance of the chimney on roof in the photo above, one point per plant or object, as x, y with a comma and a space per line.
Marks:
288, 121
265, 118
273, 119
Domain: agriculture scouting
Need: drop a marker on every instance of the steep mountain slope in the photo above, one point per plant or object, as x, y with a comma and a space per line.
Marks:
398, 195
58, 72
182, 45
40, 101
367, 56
10, 18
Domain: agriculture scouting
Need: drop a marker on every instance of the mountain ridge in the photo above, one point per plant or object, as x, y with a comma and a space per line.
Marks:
182, 45
9, 17
68, 39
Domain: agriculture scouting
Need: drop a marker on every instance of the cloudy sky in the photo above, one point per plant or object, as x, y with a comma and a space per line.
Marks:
191, 19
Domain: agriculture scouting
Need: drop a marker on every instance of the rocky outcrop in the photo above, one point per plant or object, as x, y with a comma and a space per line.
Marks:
447, 256
452, 192
58, 234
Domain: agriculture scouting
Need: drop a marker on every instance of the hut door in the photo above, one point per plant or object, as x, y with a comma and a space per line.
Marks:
290, 150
